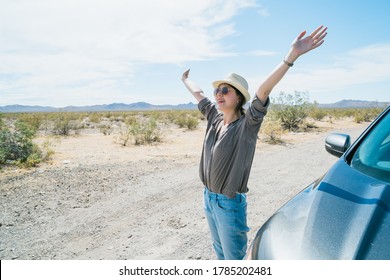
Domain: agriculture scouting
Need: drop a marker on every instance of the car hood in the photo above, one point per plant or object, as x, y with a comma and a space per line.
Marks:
344, 215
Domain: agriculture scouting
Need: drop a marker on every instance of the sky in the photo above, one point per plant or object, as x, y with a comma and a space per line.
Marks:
70, 52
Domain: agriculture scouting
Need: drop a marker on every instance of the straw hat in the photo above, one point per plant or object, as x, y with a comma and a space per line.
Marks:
236, 81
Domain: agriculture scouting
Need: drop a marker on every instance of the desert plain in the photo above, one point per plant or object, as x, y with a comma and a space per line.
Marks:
96, 199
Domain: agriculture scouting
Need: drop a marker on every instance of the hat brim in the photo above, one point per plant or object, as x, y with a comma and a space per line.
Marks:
243, 90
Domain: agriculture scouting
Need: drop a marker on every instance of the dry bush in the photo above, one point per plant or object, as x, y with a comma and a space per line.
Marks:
188, 122
106, 129
143, 131
188, 119
17, 146
272, 127
291, 109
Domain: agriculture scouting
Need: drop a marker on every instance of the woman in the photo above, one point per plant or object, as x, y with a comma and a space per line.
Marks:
230, 143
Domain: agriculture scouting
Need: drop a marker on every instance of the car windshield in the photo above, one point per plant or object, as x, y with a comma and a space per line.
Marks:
373, 155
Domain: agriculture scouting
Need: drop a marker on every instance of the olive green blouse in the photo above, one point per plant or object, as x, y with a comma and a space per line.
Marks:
227, 156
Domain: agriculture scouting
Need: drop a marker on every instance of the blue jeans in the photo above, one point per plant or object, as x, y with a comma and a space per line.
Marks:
227, 222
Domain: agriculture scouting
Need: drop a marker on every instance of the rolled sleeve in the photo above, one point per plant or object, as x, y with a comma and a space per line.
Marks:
207, 108
203, 103
257, 110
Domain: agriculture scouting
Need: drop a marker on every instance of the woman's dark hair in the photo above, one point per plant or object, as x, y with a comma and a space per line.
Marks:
241, 101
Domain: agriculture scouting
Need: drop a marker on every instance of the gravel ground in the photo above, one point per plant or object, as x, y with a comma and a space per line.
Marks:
97, 200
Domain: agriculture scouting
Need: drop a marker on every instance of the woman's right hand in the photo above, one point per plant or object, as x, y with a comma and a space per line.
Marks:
185, 75
196, 91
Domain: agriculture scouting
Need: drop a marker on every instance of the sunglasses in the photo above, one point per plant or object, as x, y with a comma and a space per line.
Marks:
223, 90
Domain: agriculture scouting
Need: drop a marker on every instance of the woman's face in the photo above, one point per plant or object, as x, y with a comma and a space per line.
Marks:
226, 102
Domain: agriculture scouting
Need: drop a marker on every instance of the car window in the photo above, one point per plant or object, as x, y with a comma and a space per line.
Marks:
373, 155
386, 141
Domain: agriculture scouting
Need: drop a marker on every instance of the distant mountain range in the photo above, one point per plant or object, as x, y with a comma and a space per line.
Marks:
355, 104
139, 106
142, 106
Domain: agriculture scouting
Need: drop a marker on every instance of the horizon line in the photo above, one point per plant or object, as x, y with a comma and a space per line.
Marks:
147, 103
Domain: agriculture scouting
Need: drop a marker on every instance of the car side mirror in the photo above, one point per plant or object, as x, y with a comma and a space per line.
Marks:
337, 143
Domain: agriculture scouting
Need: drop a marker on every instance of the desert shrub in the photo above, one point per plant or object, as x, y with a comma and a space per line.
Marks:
94, 117
184, 119
39, 154
125, 134
130, 120
146, 132
143, 131
34, 158
317, 113
154, 114
291, 109
1, 121
308, 126
34, 120
340, 113
64, 123
117, 116
272, 127
187, 121
362, 116
16, 143
106, 129
171, 117
197, 114
366, 115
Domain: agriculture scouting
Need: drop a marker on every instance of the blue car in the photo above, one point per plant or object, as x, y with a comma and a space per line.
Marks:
343, 215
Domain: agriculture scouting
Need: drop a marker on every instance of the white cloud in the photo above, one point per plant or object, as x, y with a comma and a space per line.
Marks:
152, 31
81, 47
357, 67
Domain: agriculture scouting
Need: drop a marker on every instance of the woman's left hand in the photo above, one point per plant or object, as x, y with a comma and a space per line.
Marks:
302, 45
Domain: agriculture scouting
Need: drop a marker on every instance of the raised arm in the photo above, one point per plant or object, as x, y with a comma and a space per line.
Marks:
299, 46
196, 91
